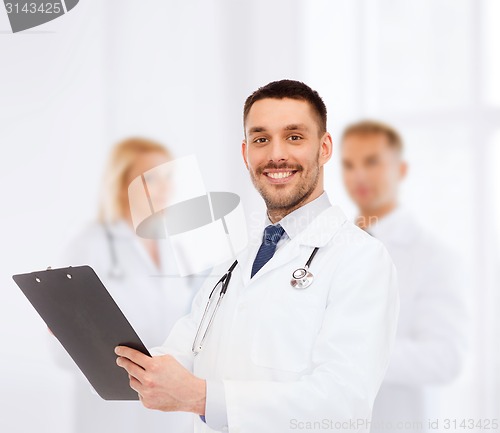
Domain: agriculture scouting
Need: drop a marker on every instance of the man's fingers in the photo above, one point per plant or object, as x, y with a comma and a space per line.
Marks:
135, 385
134, 355
132, 369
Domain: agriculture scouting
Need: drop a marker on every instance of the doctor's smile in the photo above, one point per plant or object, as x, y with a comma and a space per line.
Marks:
279, 176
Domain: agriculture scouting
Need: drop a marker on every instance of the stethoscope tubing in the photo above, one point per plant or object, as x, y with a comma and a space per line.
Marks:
224, 280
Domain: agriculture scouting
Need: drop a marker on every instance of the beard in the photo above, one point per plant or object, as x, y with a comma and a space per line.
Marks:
282, 197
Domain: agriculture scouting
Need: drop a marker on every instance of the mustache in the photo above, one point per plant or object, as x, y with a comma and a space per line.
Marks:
282, 166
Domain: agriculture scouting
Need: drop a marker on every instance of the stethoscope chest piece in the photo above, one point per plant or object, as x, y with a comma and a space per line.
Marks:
301, 278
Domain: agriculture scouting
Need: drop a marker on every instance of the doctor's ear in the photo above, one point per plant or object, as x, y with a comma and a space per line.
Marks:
326, 147
244, 152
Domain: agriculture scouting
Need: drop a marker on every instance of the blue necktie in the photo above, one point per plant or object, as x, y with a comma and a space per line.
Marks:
272, 235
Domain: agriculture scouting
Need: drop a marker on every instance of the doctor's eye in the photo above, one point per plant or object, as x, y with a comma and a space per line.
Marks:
260, 140
295, 137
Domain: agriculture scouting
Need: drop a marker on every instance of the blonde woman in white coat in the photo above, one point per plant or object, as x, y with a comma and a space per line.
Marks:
140, 274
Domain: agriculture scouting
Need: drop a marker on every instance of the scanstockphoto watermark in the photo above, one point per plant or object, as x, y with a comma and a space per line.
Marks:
354, 425
436, 424
330, 424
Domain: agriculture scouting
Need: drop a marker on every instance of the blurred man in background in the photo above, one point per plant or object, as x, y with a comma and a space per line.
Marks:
430, 343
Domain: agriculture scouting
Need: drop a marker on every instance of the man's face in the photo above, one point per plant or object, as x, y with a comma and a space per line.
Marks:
372, 170
284, 152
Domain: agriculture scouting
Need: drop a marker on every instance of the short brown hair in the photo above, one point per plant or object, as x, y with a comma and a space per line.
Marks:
289, 89
368, 127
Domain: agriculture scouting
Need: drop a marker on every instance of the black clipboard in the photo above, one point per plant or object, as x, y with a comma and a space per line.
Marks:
84, 317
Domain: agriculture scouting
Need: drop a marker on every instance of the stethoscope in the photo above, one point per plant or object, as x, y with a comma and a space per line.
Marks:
115, 271
301, 279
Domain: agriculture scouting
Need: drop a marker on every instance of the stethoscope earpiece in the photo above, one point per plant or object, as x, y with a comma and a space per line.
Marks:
116, 271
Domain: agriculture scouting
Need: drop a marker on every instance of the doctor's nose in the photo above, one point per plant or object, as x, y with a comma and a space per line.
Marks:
278, 152
357, 174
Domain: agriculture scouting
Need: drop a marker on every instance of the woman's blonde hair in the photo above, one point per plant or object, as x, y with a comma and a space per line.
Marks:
112, 205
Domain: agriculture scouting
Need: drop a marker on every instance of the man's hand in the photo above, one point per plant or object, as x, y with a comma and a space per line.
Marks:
161, 382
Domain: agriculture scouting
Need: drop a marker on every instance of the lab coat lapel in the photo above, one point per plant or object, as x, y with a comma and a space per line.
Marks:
323, 228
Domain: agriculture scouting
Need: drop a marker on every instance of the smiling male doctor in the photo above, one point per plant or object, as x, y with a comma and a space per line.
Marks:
277, 358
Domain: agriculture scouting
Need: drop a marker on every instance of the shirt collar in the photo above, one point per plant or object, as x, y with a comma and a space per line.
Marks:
398, 226
295, 222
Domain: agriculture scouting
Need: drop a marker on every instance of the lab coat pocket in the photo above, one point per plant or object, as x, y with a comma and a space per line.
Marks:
285, 331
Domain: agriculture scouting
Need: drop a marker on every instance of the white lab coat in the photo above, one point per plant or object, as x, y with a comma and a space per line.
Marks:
432, 331
152, 299
289, 356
